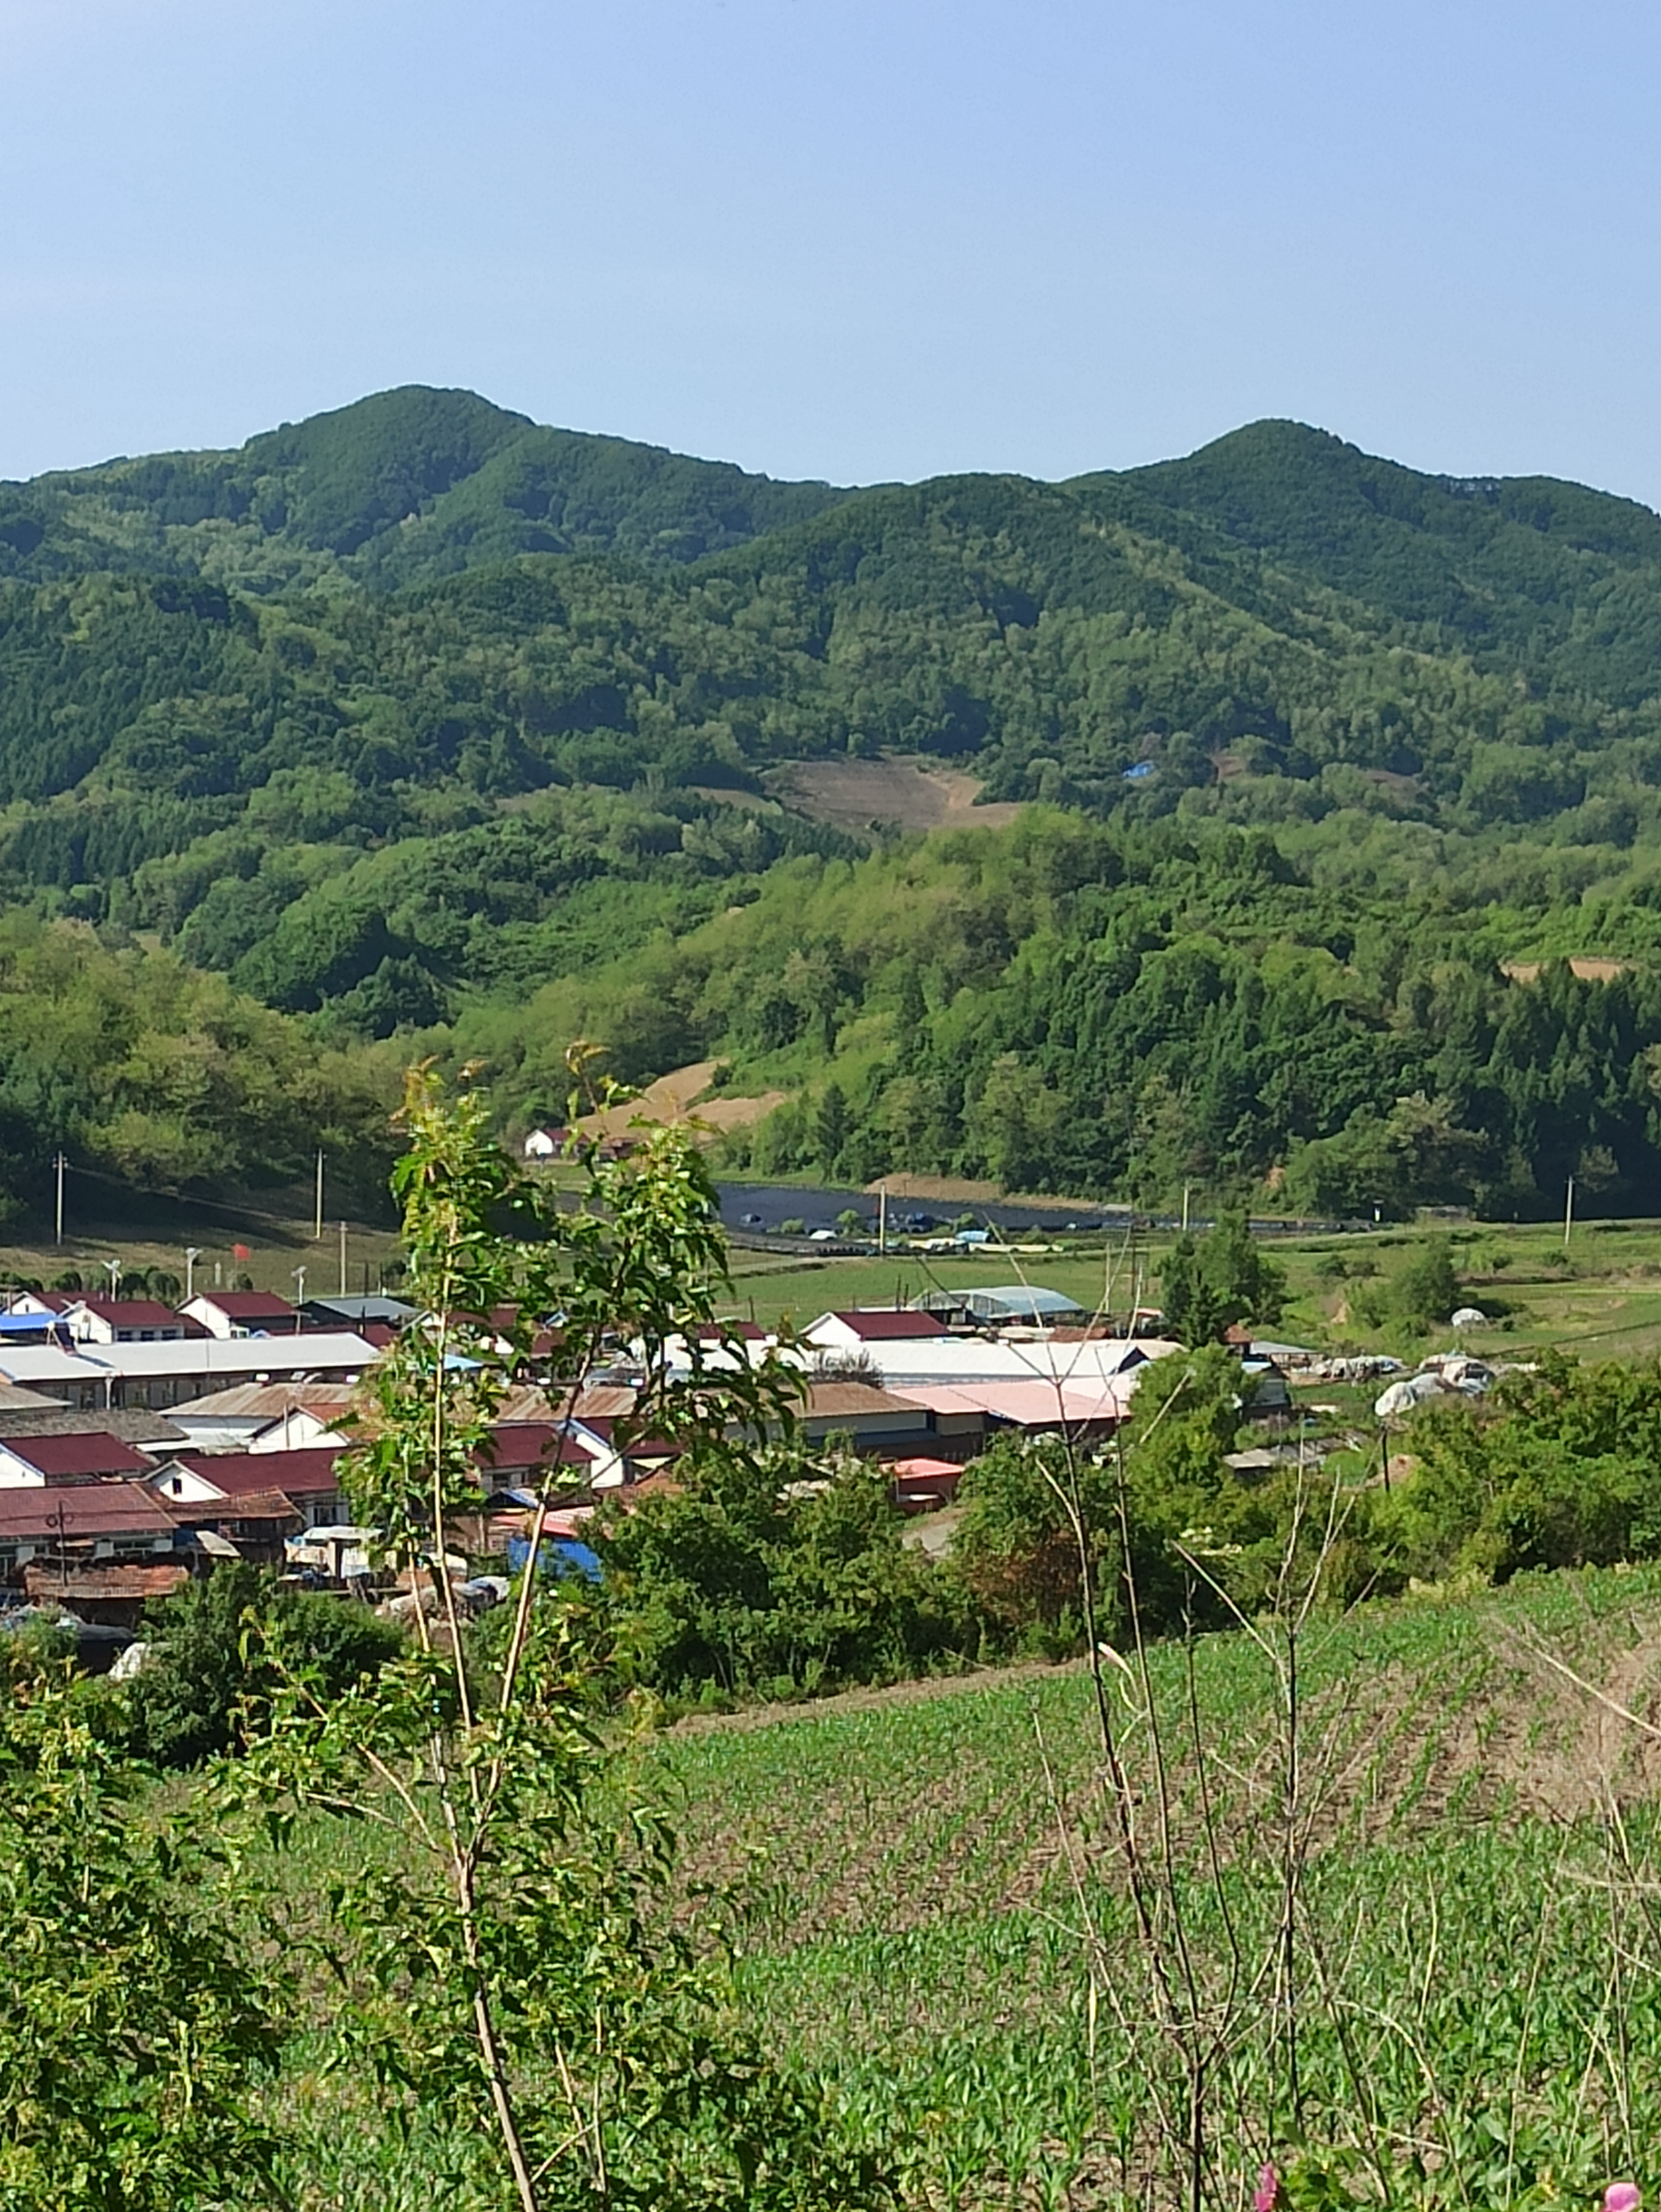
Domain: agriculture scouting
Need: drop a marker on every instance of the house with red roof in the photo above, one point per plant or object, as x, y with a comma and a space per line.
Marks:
126, 1320
109, 1543
309, 1479
242, 1313
40, 1462
861, 1327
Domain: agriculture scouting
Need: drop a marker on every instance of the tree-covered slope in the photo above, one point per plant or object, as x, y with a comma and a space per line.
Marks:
313, 716
1524, 571
1074, 654
408, 485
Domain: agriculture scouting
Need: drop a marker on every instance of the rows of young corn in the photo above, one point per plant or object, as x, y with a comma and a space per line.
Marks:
926, 1898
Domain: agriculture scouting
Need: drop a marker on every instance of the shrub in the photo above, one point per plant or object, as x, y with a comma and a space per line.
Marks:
209, 1673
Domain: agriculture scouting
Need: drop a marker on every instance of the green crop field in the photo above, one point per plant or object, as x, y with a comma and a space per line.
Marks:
926, 1899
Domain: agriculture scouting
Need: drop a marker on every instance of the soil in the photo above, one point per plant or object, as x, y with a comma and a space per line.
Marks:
1588, 970
1395, 1751
883, 795
925, 1688
677, 1097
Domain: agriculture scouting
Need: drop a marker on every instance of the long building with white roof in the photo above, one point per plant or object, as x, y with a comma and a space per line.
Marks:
166, 1374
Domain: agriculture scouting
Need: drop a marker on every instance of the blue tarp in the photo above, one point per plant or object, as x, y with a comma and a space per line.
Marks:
561, 1556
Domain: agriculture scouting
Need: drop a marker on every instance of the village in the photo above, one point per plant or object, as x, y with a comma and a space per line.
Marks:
142, 1444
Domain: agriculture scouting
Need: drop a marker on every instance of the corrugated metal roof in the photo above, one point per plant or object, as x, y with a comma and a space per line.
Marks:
247, 1305
1027, 1404
881, 1325
269, 1505
80, 1511
15, 1400
42, 1579
269, 1401
838, 1399
309, 1472
133, 1313
1089, 1363
77, 1456
206, 1359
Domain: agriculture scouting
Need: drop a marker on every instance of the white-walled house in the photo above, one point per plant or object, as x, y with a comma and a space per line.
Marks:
266, 1417
79, 1455
242, 1313
862, 1327
124, 1321
309, 1480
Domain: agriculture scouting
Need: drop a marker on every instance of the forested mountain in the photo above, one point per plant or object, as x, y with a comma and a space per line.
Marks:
417, 716
401, 488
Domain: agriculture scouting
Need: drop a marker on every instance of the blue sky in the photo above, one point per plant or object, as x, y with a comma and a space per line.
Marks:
851, 238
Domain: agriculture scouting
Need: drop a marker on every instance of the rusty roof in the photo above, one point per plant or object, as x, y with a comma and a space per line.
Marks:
247, 1505
79, 1511
271, 1401
821, 1399
42, 1580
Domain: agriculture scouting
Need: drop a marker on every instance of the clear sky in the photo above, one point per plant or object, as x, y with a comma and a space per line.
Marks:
851, 238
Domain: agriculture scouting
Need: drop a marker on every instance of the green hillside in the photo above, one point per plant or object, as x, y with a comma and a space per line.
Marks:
1521, 571
407, 485
930, 1903
418, 718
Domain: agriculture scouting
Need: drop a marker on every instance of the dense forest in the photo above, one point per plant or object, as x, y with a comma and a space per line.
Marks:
417, 726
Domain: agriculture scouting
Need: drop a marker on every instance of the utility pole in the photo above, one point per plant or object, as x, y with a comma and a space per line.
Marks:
1568, 1213
882, 1219
344, 1286
1185, 1191
59, 1163
192, 1254
318, 1230
300, 1277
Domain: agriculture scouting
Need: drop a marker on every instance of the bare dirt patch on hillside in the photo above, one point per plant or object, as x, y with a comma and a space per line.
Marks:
1588, 970
880, 794
683, 1095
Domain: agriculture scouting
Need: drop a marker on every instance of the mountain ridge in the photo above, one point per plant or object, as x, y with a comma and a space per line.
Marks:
333, 500
1306, 747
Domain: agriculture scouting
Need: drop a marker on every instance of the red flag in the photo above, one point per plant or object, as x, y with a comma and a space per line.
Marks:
242, 1252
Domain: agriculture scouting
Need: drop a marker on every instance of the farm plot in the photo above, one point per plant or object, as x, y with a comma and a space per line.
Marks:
927, 1898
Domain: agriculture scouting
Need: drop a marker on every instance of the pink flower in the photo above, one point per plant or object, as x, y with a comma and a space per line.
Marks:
1622, 2196
1268, 2197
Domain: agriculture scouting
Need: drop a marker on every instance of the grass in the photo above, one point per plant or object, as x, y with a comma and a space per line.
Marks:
915, 1873
279, 1240
923, 1904
1602, 1297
